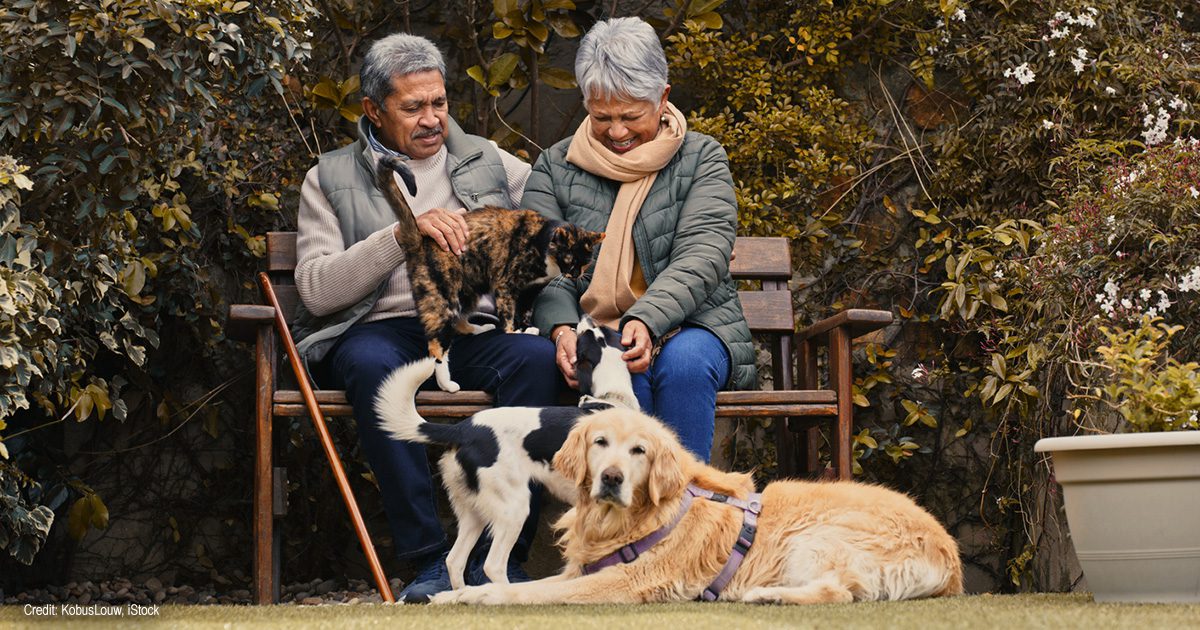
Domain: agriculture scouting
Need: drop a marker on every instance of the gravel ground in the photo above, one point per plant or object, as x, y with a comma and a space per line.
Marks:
122, 591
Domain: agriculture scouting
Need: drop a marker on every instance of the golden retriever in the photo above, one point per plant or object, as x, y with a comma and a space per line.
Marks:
816, 542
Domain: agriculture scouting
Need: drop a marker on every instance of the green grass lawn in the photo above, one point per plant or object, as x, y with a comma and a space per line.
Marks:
974, 611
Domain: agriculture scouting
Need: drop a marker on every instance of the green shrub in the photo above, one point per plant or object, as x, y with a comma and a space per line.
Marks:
149, 160
1149, 389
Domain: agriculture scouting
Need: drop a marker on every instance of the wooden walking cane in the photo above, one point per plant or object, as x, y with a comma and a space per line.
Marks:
335, 462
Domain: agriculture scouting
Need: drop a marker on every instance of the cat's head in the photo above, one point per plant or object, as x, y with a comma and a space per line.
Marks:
571, 248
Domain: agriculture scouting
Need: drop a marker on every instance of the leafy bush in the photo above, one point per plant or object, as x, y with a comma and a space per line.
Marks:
957, 163
1151, 391
141, 138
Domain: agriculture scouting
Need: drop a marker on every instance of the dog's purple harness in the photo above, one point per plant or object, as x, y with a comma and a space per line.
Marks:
750, 511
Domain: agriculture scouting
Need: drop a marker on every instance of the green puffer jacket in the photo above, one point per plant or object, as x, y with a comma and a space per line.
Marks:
683, 236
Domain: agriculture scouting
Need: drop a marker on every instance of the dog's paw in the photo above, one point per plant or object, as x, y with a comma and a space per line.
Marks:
532, 330
446, 598
485, 595
479, 329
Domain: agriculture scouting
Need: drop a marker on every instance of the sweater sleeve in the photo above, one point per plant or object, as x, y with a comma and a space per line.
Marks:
558, 302
330, 277
703, 243
517, 173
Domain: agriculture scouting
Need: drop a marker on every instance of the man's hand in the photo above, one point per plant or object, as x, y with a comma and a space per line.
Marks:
447, 227
636, 337
564, 352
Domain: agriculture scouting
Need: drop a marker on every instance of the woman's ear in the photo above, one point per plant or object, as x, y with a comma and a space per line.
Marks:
571, 460
667, 478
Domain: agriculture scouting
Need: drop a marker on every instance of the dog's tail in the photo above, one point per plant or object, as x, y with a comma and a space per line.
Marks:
395, 402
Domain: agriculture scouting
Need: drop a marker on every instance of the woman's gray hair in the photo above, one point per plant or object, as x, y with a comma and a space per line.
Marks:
621, 58
396, 55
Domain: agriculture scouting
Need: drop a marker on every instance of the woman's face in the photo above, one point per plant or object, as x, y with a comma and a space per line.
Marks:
621, 124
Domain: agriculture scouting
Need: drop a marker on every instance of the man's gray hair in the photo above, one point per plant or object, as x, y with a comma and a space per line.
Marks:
396, 55
621, 58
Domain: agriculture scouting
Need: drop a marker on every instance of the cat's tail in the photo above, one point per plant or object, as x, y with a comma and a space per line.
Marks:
386, 181
395, 402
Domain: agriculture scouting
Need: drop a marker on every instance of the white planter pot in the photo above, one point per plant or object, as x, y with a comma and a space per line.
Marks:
1133, 509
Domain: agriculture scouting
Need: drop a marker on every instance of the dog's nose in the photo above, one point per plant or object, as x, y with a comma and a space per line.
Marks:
611, 477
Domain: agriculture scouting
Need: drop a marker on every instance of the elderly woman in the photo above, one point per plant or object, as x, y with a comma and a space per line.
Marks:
664, 196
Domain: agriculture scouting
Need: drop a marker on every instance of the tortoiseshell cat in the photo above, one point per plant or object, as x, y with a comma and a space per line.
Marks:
512, 254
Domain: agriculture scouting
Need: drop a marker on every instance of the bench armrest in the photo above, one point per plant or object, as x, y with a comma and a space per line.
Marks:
245, 320
859, 321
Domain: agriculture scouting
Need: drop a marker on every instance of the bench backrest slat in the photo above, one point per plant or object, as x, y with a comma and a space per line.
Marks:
757, 258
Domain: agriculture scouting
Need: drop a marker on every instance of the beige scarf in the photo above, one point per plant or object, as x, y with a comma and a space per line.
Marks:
610, 294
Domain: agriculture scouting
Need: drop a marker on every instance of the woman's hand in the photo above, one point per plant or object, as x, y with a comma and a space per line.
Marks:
636, 337
447, 227
564, 352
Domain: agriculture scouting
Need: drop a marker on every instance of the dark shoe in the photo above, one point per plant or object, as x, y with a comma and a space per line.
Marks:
431, 580
476, 576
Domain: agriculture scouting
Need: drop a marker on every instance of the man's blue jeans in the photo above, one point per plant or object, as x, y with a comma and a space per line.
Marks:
518, 369
680, 388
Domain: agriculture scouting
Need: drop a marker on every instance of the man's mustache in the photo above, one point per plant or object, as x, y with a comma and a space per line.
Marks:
426, 133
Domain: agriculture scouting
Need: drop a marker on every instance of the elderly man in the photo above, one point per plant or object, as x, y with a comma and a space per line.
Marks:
358, 320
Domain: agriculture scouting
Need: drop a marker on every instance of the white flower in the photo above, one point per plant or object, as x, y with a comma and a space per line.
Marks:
1060, 33
960, 15
1110, 90
1061, 16
1155, 131
919, 373
1195, 193
1052, 53
1190, 281
1080, 59
1179, 14
1046, 124
1163, 302
1178, 104
1144, 294
1022, 73
1126, 304
999, 273
1166, 56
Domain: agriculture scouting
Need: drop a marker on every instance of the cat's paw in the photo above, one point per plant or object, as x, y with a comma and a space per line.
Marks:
441, 373
477, 329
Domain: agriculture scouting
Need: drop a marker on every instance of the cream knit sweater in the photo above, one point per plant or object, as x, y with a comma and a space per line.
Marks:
331, 277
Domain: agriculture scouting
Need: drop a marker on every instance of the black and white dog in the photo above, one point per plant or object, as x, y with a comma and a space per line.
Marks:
494, 454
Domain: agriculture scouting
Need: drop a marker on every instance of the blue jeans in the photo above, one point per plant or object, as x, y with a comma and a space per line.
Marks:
518, 369
680, 388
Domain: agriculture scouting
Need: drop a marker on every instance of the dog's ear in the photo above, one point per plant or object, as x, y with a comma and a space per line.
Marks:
667, 477
571, 459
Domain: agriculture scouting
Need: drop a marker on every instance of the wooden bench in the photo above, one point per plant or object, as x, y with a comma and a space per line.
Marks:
800, 400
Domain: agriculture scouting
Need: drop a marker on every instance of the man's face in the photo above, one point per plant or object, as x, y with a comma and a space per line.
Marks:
414, 120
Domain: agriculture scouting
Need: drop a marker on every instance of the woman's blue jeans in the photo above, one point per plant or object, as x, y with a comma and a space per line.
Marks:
518, 369
680, 388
